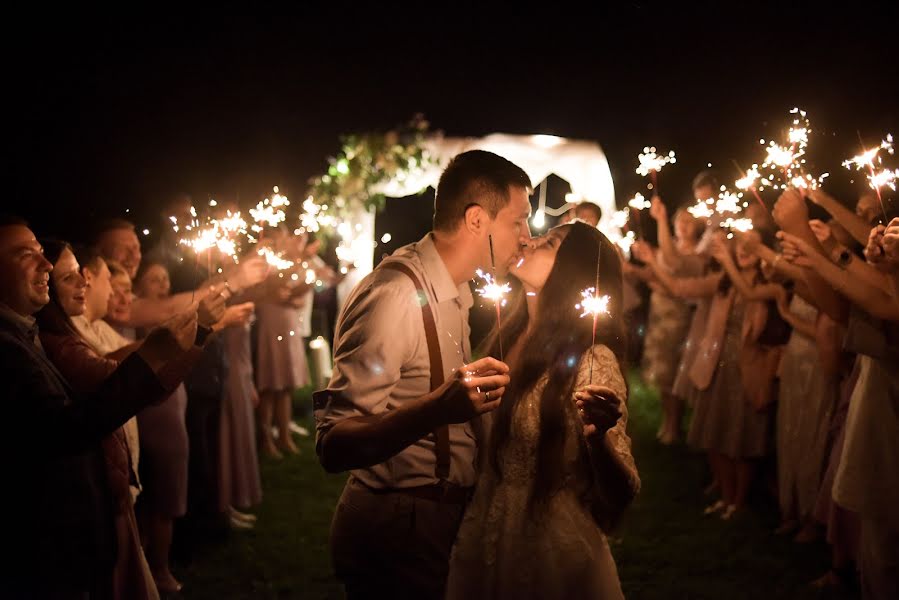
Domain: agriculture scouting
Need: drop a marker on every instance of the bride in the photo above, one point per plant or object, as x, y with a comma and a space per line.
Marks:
558, 470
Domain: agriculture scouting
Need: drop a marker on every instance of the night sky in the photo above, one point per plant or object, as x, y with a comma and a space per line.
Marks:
115, 114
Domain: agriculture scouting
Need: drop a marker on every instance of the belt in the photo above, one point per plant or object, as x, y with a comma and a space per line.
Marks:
445, 492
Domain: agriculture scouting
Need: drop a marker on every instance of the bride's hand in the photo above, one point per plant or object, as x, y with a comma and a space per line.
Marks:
599, 408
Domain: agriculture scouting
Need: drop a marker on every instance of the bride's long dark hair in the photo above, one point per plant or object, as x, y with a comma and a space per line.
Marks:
555, 348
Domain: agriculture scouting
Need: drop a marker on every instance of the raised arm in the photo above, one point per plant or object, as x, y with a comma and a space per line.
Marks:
872, 299
356, 425
854, 224
602, 405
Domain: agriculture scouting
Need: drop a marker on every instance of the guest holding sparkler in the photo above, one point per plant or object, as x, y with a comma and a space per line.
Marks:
730, 404
669, 317
281, 365
402, 409
559, 471
865, 479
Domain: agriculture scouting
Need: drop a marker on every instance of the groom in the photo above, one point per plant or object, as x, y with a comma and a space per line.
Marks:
401, 412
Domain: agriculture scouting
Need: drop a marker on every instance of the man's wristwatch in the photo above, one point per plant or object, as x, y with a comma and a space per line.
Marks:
843, 257
203, 334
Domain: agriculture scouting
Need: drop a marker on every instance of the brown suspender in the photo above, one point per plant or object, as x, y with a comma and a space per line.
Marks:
441, 434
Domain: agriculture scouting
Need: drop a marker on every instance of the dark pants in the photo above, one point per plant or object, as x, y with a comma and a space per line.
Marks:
391, 545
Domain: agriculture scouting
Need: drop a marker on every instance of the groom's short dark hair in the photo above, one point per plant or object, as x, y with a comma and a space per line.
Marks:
475, 177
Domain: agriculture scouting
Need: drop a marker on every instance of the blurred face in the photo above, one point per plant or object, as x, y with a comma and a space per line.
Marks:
538, 258
70, 285
704, 192
118, 310
761, 218
586, 215
99, 289
123, 246
744, 258
24, 272
686, 227
154, 284
510, 231
868, 208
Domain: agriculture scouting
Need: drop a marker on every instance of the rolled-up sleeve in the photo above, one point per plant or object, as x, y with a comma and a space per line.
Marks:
378, 333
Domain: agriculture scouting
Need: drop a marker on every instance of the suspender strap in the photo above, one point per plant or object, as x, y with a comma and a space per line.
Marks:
441, 434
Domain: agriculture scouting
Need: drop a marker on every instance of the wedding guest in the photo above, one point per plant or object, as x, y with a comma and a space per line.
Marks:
63, 534
71, 297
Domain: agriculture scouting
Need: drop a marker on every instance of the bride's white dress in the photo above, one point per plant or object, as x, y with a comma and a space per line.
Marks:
502, 551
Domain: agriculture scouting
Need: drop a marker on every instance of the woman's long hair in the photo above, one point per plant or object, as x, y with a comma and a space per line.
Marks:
52, 318
558, 342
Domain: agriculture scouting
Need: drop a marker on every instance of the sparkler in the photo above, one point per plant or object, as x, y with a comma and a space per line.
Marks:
748, 182
275, 260
651, 163
742, 225
638, 203
495, 292
878, 177
787, 161
702, 209
593, 304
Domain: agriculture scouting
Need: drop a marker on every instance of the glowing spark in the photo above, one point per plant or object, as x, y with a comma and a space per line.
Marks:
748, 181
492, 290
878, 176
701, 210
652, 162
620, 218
593, 304
728, 203
275, 260
638, 202
741, 225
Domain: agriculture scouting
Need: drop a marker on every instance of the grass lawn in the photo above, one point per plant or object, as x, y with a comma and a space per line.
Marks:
666, 548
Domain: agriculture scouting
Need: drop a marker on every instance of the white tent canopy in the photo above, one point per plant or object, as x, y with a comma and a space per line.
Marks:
581, 163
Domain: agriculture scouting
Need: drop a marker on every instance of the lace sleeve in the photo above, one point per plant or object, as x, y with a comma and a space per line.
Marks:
606, 372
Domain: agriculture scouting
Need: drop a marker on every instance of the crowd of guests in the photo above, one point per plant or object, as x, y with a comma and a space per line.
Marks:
783, 342
141, 382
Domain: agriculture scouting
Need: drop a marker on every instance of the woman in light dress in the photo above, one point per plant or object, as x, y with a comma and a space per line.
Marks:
557, 471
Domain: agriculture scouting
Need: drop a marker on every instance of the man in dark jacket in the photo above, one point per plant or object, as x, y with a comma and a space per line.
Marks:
61, 540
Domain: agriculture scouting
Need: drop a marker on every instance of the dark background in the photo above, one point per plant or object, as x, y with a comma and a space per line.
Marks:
109, 114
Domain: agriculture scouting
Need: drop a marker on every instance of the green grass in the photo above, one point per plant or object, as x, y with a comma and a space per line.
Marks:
666, 548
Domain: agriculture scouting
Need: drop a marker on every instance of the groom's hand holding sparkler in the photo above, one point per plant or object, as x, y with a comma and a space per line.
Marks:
475, 389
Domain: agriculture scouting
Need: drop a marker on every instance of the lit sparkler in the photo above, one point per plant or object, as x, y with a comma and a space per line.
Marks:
275, 260
639, 202
878, 176
786, 162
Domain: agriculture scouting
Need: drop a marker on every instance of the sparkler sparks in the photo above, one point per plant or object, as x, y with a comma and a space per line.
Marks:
493, 290
785, 163
872, 160
274, 260
650, 162
638, 202
592, 303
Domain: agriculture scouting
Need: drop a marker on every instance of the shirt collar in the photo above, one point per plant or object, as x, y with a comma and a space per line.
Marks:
441, 282
25, 324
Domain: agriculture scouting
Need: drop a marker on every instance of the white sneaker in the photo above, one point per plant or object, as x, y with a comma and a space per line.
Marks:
233, 513
299, 429
716, 507
239, 524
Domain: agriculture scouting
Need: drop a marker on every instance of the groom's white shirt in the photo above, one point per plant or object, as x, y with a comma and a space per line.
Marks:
381, 361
